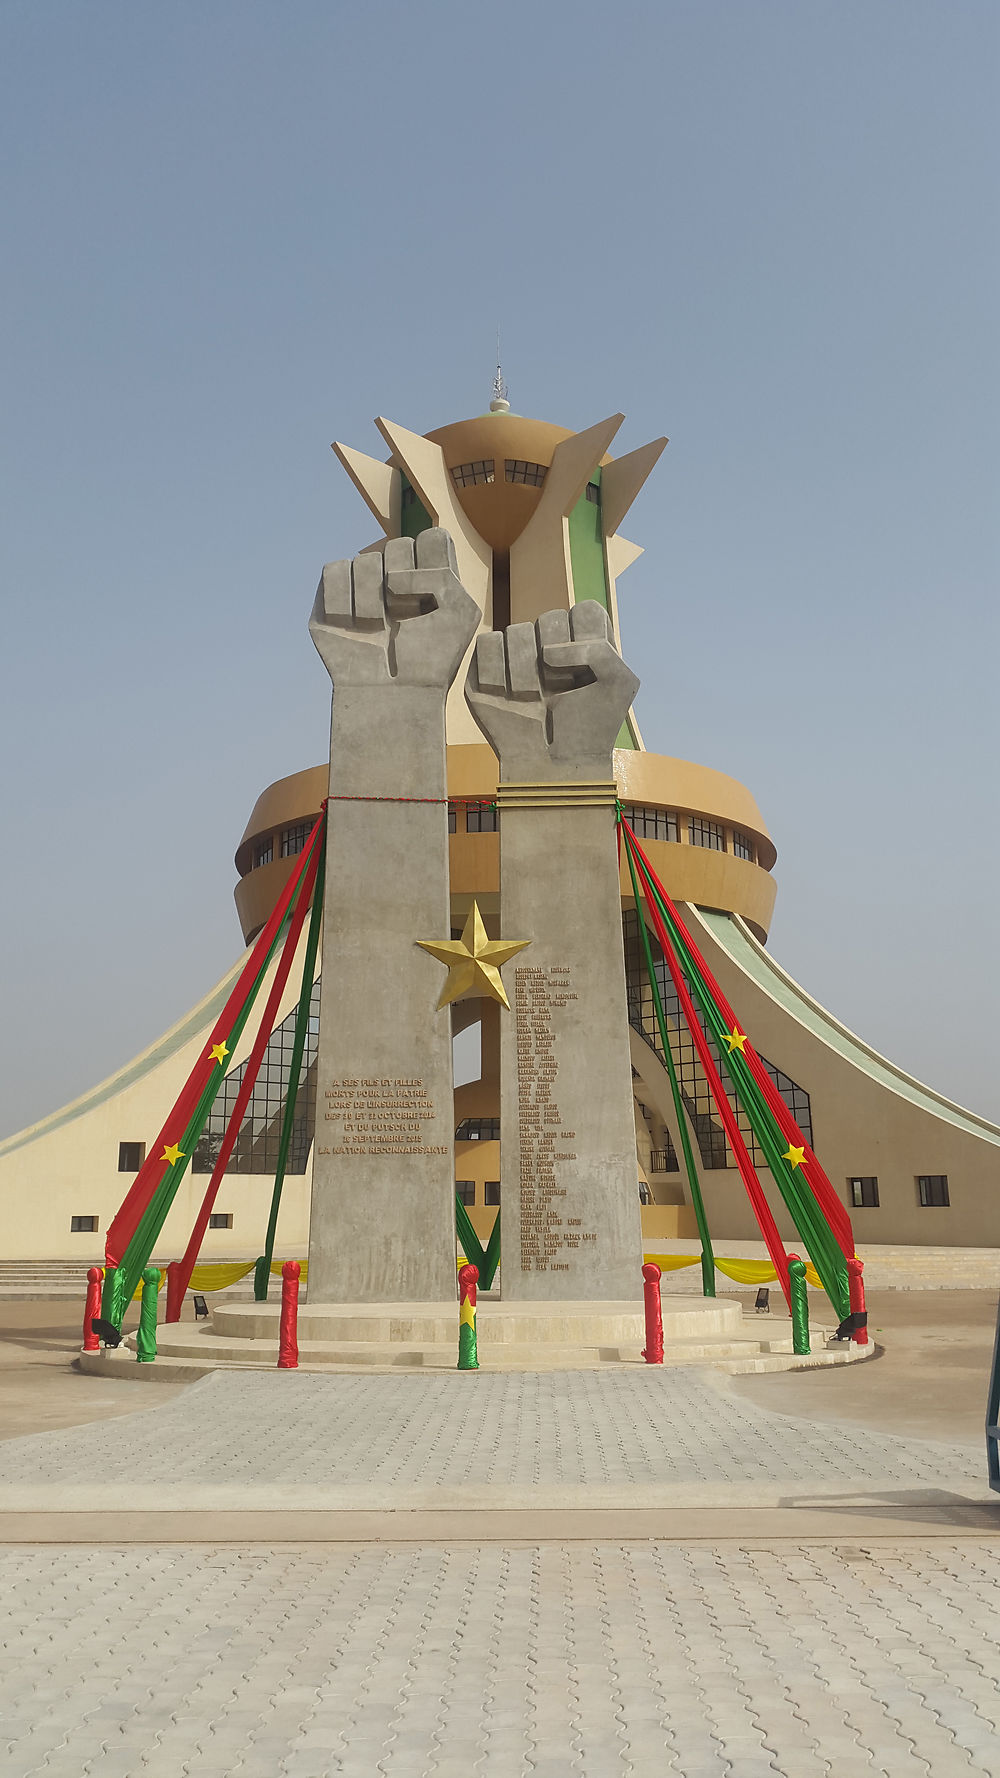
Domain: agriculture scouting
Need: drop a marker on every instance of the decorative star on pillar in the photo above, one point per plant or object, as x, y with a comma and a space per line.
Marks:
734, 1039
473, 961
218, 1053
794, 1156
172, 1154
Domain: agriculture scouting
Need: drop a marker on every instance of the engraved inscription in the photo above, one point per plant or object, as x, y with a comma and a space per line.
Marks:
380, 1116
547, 1239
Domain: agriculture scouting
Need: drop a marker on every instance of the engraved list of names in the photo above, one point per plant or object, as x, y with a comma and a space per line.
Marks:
549, 1237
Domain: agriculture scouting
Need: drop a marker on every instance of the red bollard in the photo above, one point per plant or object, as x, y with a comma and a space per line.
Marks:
92, 1341
856, 1284
653, 1353
288, 1342
175, 1291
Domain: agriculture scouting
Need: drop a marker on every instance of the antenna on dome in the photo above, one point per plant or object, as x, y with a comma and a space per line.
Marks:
499, 403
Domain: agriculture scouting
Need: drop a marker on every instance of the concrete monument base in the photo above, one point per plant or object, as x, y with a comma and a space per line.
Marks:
512, 1336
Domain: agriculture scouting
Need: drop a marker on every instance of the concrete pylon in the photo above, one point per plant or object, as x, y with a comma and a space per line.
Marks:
550, 697
392, 629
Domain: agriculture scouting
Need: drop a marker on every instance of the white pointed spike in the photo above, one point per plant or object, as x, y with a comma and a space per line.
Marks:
377, 483
622, 480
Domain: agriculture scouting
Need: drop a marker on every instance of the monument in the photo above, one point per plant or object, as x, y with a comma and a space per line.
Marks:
391, 627
551, 697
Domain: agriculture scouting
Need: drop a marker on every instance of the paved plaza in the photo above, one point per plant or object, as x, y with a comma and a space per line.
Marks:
808, 1661
452, 1639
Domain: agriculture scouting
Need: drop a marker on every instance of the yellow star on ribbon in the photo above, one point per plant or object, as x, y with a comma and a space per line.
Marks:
172, 1154
734, 1039
794, 1156
473, 961
467, 1315
218, 1053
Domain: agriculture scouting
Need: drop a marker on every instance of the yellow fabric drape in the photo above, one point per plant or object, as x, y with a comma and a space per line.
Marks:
741, 1271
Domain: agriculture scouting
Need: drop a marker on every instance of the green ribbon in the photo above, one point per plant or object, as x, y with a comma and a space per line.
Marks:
694, 1185
262, 1278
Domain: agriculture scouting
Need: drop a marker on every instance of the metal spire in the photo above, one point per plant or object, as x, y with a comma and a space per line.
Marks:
499, 403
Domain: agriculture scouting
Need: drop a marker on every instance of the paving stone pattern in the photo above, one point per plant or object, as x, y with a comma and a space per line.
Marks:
805, 1661
569, 1427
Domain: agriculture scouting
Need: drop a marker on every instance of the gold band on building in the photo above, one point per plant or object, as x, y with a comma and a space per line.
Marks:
584, 793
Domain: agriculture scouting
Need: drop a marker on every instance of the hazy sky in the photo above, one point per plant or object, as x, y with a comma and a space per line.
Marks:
235, 231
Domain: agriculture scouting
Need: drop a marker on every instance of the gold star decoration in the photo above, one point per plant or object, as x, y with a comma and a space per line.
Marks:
734, 1039
172, 1154
794, 1156
473, 961
218, 1053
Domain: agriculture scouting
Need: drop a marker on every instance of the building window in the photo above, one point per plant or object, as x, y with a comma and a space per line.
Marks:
83, 1225
294, 838
933, 1190
263, 852
664, 1160
465, 1191
707, 833
257, 1144
481, 818
131, 1156
478, 1129
219, 1220
864, 1192
743, 846
452, 818
492, 1192
594, 493
650, 824
471, 475
531, 474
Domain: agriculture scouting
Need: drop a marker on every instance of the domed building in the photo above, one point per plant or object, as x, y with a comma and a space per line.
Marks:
534, 511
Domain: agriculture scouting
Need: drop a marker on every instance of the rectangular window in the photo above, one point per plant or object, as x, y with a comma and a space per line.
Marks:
707, 833
651, 824
594, 493
294, 838
864, 1192
531, 475
492, 1191
480, 818
83, 1225
933, 1190
452, 818
263, 852
743, 845
471, 475
465, 1191
131, 1156
219, 1220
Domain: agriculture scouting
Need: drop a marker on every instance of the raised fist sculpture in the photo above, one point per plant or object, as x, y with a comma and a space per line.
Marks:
551, 696
395, 615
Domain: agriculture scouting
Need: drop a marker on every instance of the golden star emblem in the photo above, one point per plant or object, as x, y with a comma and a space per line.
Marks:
794, 1156
734, 1039
172, 1154
473, 961
218, 1053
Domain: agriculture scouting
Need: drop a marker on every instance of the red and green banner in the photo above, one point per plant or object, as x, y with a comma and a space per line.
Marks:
816, 1211
136, 1228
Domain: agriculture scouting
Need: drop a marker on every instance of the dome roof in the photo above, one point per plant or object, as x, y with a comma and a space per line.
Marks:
500, 509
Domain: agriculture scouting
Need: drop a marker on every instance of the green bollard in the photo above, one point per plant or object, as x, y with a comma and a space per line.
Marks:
707, 1274
261, 1278
799, 1292
145, 1342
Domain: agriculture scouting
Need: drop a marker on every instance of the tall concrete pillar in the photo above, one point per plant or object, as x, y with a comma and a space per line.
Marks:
392, 630
550, 698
